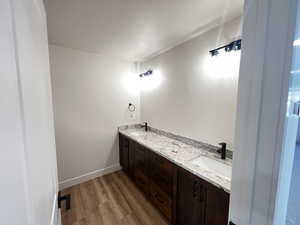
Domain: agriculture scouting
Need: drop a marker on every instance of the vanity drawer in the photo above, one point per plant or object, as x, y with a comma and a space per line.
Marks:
162, 165
161, 200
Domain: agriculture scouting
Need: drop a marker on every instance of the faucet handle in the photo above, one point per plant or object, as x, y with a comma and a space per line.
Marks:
146, 126
223, 144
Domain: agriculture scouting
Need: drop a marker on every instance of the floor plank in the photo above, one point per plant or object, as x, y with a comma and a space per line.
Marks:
110, 200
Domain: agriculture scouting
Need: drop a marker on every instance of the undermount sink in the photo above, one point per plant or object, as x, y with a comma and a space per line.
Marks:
138, 133
213, 166
179, 153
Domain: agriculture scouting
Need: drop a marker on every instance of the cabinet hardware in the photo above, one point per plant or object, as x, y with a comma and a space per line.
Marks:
158, 199
198, 191
142, 182
201, 194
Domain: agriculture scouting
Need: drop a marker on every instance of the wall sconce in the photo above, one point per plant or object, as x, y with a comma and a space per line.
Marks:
235, 45
150, 80
147, 73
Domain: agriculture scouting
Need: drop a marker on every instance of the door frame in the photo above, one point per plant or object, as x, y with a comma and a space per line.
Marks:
24, 197
268, 34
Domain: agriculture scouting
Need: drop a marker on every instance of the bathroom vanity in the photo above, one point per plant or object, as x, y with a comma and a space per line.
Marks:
188, 185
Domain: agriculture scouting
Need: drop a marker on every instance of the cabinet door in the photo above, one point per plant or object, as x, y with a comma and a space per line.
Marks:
131, 153
190, 199
217, 206
141, 159
140, 168
161, 171
142, 181
124, 152
161, 200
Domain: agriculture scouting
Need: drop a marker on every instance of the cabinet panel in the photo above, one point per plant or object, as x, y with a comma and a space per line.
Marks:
217, 206
161, 200
142, 181
131, 154
124, 152
161, 164
190, 199
141, 159
163, 181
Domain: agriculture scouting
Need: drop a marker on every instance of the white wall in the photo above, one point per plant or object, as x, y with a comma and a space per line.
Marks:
197, 95
91, 96
28, 158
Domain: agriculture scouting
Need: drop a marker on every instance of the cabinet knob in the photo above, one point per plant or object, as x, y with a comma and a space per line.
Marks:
159, 199
197, 191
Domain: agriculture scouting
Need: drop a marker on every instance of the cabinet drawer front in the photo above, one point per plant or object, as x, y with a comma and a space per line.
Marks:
163, 165
161, 200
142, 181
162, 180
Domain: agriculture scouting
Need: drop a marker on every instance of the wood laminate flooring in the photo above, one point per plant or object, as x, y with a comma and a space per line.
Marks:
109, 200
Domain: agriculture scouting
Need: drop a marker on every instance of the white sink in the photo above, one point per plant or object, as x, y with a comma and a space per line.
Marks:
214, 166
180, 154
138, 133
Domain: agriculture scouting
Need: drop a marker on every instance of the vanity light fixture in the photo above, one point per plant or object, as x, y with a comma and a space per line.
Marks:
147, 73
235, 45
214, 52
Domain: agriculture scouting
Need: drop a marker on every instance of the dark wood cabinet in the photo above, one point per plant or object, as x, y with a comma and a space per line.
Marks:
199, 202
217, 206
131, 154
141, 159
161, 171
161, 200
190, 199
183, 198
141, 167
124, 152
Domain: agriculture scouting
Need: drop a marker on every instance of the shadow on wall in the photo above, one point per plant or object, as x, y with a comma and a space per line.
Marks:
113, 155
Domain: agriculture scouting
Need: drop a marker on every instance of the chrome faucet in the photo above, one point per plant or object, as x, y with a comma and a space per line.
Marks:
222, 150
145, 124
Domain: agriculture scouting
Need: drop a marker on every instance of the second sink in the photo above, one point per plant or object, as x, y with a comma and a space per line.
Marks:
214, 166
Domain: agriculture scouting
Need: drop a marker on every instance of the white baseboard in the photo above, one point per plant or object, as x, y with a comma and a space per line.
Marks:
88, 176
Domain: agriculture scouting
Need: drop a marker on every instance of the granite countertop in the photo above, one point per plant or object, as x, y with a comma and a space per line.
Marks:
200, 162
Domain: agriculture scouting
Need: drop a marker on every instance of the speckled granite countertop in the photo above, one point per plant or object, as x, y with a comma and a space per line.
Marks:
202, 163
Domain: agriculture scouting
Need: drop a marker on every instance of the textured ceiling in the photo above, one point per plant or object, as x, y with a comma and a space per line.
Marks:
132, 30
